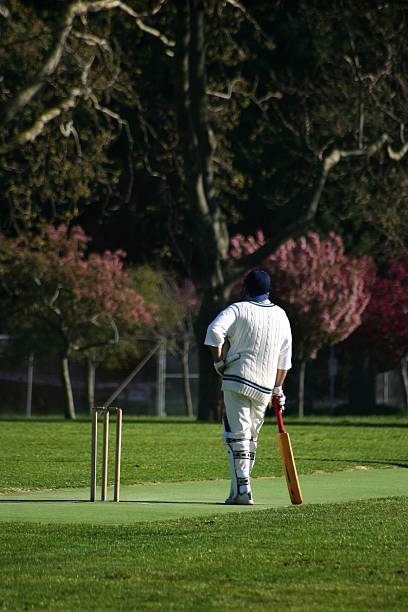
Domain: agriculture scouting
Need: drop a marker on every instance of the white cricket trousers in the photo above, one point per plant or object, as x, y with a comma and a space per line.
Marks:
245, 415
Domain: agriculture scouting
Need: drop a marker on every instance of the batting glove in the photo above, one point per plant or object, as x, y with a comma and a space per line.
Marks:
278, 393
219, 366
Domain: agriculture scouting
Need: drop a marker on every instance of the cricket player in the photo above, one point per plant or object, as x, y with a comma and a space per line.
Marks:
259, 355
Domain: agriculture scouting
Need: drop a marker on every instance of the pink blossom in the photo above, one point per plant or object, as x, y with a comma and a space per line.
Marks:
324, 291
385, 321
53, 277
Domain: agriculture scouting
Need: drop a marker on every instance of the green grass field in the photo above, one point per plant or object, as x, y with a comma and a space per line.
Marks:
318, 556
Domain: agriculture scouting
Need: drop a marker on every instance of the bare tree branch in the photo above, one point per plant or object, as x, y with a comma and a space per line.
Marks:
93, 41
68, 129
225, 96
125, 124
397, 155
250, 19
75, 9
30, 134
328, 163
4, 12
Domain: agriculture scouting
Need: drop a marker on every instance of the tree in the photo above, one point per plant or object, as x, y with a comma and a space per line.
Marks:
277, 115
324, 291
385, 321
61, 116
63, 300
177, 306
324, 151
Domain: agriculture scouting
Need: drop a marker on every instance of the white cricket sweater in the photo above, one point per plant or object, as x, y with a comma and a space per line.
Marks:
260, 332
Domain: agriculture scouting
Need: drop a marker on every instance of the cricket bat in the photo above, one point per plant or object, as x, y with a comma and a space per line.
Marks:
288, 460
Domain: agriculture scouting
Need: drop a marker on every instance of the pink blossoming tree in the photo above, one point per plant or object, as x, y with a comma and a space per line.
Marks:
385, 321
60, 297
323, 290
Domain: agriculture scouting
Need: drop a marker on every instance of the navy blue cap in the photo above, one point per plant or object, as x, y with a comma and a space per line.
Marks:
258, 284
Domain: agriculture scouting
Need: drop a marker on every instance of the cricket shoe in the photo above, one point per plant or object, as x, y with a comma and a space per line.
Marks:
243, 499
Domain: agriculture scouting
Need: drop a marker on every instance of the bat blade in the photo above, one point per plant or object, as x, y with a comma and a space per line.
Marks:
289, 467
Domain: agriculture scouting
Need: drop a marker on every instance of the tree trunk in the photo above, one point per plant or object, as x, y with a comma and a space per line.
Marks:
198, 149
91, 384
30, 371
161, 379
301, 390
69, 398
404, 377
209, 392
210, 396
186, 377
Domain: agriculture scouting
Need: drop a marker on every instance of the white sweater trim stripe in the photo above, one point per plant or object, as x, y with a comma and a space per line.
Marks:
249, 383
262, 304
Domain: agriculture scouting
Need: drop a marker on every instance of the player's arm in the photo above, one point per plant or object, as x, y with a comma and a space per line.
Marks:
217, 334
277, 393
216, 352
219, 362
284, 364
280, 377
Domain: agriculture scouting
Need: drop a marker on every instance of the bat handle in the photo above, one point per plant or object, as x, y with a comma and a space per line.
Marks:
275, 402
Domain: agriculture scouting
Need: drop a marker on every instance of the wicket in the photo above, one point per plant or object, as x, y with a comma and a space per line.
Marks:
105, 447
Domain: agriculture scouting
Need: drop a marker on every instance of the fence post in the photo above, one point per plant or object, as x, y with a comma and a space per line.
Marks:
161, 379
30, 371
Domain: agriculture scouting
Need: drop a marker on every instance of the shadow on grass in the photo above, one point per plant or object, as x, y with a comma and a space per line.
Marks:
336, 422
160, 501
403, 463
127, 501
44, 501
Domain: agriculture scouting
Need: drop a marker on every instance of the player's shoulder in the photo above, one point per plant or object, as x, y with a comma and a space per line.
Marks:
232, 310
233, 306
280, 312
